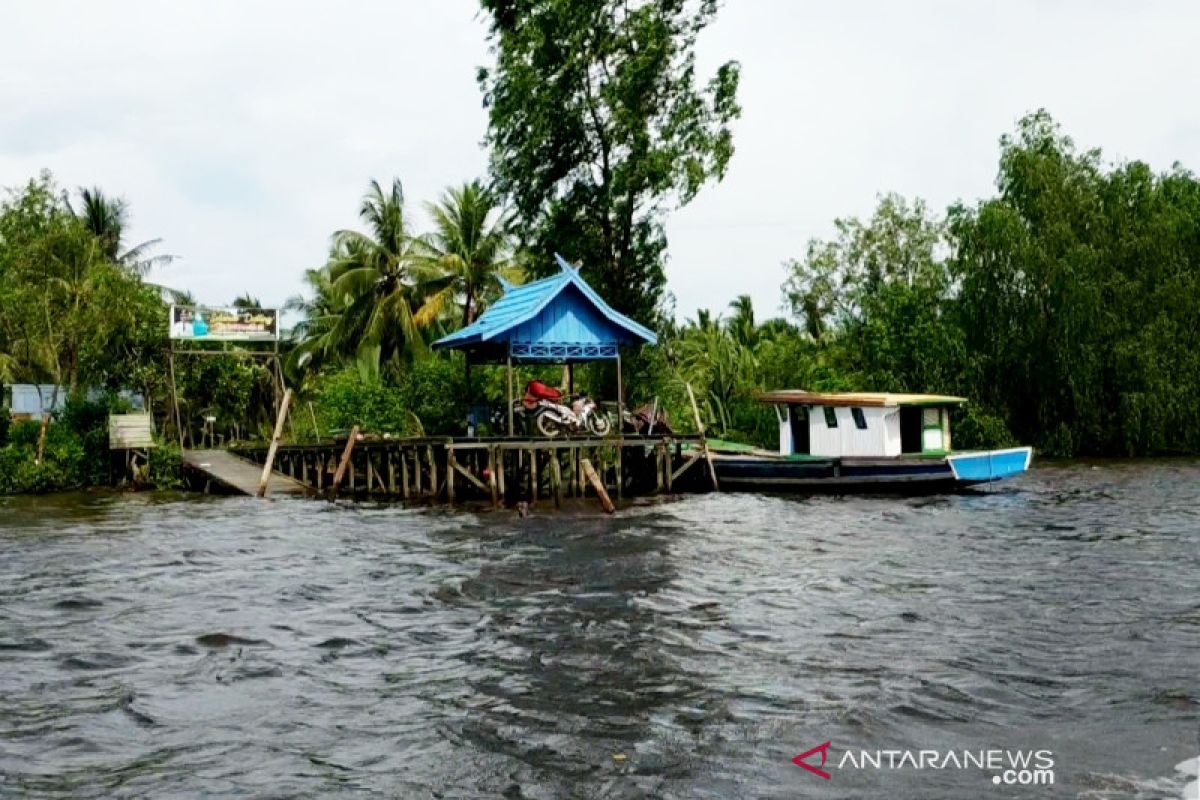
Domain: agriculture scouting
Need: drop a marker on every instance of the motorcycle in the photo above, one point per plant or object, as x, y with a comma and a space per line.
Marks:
553, 414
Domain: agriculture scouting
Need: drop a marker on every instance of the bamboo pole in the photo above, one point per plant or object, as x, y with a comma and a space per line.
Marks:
345, 462
175, 400
712, 470
316, 428
279, 420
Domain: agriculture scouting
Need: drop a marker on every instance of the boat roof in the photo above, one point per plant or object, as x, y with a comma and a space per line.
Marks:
801, 397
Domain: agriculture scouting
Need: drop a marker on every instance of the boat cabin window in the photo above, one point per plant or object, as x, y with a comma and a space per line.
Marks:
830, 417
931, 430
860, 419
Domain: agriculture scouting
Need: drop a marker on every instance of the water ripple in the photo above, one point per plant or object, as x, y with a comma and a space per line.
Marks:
174, 645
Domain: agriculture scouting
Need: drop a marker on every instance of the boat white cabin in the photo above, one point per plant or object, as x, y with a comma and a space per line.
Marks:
865, 441
862, 424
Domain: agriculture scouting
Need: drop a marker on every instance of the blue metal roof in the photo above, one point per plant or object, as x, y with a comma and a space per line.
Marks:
553, 319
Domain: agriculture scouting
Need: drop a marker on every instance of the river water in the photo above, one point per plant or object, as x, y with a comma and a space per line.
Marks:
186, 646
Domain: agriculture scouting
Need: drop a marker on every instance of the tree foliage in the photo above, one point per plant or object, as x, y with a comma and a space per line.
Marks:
1080, 298
597, 124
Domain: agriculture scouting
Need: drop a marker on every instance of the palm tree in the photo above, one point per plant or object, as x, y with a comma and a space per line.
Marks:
742, 324
468, 258
107, 218
246, 301
372, 286
312, 334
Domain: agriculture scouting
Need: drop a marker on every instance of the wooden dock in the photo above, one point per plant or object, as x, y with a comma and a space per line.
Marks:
502, 470
235, 474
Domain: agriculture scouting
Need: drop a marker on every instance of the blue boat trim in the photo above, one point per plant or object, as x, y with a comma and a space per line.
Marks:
990, 465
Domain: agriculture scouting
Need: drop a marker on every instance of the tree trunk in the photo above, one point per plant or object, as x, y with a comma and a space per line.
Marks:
40, 456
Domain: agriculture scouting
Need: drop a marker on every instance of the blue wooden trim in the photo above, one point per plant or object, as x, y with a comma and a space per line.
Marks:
561, 351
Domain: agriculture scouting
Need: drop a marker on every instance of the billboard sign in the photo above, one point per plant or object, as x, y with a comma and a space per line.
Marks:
210, 324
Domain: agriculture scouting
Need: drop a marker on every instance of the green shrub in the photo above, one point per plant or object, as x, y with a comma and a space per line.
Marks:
165, 470
76, 452
346, 399
434, 390
977, 430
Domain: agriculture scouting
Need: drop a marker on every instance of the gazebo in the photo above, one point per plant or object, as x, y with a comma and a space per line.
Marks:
555, 320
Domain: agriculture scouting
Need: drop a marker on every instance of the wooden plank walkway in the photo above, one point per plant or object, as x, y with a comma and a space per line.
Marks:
239, 474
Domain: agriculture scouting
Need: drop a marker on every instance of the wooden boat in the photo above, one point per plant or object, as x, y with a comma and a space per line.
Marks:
863, 441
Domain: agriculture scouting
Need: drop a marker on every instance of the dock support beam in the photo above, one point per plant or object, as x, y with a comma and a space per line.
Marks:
266, 473
345, 462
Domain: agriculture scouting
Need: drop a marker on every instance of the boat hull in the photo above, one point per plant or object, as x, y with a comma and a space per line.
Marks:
990, 465
759, 473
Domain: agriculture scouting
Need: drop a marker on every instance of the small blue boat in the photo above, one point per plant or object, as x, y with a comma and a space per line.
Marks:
863, 441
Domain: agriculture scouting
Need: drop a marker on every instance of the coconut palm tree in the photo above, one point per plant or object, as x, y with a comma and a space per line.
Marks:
372, 286
107, 219
313, 342
742, 324
246, 301
468, 258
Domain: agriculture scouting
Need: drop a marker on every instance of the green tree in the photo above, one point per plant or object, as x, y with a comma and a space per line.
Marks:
597, 124
1080, 297
468, 257
107, 217
879, 298
372, 285
69, 315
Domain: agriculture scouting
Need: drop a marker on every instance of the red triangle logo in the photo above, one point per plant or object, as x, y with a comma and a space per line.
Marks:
823, 749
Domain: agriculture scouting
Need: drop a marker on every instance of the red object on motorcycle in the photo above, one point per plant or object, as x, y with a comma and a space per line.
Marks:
536, 390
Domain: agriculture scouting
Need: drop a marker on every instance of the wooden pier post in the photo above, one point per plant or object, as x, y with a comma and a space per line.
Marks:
500, 459
712, 470
598, 485
534, 484
492, 477
556, 478
341, 469
266, 473
450, 474
658, 468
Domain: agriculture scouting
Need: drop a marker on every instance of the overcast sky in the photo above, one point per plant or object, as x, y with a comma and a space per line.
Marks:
243, 133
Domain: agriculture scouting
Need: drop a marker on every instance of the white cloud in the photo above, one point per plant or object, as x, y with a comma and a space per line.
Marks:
244, 133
